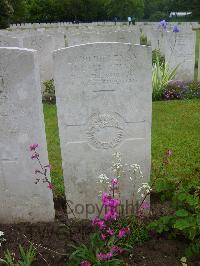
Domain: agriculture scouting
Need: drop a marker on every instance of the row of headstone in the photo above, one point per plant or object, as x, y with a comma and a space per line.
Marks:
103, 23
43, 43
103, 95
178, 48
46, 43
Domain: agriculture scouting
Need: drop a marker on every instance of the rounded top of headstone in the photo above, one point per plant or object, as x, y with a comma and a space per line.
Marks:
100, 44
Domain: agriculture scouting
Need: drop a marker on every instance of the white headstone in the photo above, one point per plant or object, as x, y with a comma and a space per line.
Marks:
82, 37
157, 39
180, 51
103, 93
7, 41
21, 124
44, 45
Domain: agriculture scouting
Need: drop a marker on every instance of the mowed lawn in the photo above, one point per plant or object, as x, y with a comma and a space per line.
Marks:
175, 126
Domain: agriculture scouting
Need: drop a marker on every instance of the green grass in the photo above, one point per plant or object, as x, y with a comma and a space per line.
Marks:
175, 126
53, 143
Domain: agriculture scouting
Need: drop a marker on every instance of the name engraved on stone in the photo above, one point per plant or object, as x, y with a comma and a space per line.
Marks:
105, 130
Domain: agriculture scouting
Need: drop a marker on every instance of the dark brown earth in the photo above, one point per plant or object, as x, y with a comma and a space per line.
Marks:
51, 240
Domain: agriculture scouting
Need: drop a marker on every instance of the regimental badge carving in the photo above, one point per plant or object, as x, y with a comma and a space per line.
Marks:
105, 130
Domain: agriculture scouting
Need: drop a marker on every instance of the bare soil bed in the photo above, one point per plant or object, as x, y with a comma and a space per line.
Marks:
51, 240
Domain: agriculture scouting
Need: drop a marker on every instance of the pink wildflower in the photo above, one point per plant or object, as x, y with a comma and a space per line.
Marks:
98, 222
103, 236
114, 203
105, 256
116, 249
105, 199
86, 263
169, 153
114, 182
33, 147
110, 215
110, 232
123, 232
50, 186
145, 205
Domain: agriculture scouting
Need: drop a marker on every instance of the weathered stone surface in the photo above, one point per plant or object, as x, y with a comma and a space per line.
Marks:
104, 96
125, 36
7, 41
157, 39
44, 45
21, 124
180, 51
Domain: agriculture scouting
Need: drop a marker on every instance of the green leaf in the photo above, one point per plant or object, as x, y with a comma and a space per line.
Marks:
182, 213
161, 184
182, 224
182, 196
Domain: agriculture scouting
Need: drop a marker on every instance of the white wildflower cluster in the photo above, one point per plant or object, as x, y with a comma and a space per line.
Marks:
103, 179
144, 189
104, 183
1, 238
136, 170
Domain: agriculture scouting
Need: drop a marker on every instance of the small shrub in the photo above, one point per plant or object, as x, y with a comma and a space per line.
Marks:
49, 91
184, 195
49, 87
143, 39
156, 54
65, 38
26, 257
182, 90
161, 75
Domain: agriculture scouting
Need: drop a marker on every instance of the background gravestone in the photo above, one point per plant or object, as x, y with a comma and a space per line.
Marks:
180, 50
103, 93
7, 41
109, 35
44, 45
21, 124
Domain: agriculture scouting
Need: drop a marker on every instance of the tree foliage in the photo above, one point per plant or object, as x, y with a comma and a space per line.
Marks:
91, 10
6, 11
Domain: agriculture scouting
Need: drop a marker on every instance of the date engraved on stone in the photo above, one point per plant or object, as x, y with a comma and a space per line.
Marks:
105, 130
